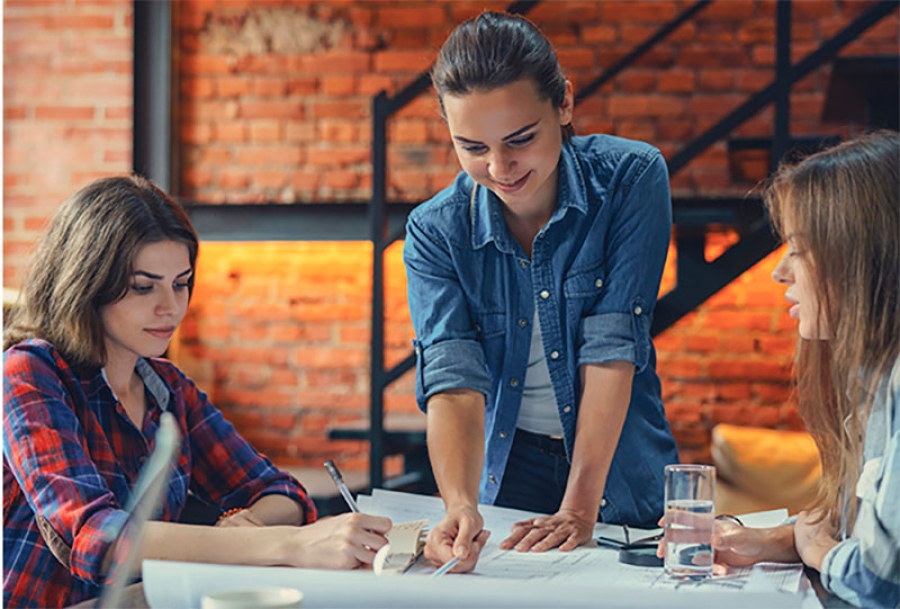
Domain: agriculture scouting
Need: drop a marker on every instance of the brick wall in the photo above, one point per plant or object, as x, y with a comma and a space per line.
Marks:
67, 90
275, 96
273, 103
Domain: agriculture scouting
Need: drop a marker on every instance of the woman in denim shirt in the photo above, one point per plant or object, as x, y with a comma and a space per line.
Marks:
532, 281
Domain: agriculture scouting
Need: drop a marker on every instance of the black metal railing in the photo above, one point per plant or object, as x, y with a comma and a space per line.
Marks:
697, 279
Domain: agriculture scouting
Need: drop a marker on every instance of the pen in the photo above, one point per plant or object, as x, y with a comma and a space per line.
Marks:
446, 566
339, 483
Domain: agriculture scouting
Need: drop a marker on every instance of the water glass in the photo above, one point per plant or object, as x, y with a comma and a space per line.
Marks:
690, 498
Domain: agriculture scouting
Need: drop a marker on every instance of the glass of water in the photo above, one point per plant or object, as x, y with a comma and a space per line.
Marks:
690, 497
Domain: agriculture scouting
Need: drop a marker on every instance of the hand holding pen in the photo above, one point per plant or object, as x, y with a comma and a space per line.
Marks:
457, 540
365, 532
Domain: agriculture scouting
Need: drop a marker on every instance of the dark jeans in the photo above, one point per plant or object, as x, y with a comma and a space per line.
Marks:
536, 474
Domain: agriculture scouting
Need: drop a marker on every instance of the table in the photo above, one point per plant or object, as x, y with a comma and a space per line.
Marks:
134, 596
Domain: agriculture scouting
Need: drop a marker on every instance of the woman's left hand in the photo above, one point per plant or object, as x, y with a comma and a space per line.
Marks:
812, 539
564, 529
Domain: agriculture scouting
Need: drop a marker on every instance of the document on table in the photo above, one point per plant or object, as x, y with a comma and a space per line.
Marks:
500, 579
589, 565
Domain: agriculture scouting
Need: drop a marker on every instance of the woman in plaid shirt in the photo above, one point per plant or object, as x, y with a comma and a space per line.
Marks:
83, 391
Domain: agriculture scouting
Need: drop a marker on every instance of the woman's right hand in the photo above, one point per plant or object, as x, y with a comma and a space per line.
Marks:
347, 541
459, 534
739, 546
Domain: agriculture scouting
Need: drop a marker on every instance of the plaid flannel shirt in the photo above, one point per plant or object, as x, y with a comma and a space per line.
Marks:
71, 457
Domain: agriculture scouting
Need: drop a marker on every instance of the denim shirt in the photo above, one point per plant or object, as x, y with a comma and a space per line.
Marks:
594, 276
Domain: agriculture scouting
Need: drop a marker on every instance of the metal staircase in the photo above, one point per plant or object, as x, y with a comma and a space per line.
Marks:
696, 278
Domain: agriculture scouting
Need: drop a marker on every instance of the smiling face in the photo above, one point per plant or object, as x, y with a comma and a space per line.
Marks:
142, 322
508, 139
795, 271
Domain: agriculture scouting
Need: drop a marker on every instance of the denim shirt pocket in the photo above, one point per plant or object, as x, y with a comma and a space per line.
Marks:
583, 288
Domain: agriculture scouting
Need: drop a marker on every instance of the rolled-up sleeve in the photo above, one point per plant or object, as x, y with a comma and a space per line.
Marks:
447, 365
639, 229
448, 353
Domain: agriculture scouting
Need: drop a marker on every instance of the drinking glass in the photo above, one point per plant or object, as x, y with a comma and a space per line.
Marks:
690, 497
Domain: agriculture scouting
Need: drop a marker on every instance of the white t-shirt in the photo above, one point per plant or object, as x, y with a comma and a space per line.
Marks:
538, 412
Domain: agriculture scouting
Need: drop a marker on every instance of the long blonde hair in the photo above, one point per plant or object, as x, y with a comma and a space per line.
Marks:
843, 206
85, 261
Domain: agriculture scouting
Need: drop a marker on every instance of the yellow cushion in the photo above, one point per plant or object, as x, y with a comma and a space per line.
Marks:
766, 468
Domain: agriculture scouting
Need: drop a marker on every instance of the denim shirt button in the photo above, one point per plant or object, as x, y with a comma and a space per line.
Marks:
554, 355
599, 283
503, 434
514, 382
491, 479
523, 322
545, 294
567, 409
523, 264
603, 502
638, 310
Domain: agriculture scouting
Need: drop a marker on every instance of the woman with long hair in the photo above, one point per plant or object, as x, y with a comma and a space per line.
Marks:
839, 213
84, 388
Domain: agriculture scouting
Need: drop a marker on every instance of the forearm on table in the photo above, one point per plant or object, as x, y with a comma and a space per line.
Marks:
605, 396
197, 543
278, 510
455, 431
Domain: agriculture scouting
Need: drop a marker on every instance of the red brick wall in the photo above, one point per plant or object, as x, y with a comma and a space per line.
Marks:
276, 96
67, 95
297, 361
274, 101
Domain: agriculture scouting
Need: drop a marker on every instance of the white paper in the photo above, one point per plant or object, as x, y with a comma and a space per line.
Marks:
501, 578
762, 520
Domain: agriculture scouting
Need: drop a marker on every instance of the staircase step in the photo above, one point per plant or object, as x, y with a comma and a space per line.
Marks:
749, 158
864, 90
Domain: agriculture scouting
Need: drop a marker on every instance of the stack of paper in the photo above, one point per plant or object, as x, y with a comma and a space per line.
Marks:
406, 541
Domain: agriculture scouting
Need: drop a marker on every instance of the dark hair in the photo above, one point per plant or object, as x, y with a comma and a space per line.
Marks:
497, 49
85, 261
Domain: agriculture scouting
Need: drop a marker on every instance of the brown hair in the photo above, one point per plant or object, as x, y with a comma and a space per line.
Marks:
496, 49
843, 206
86, 259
